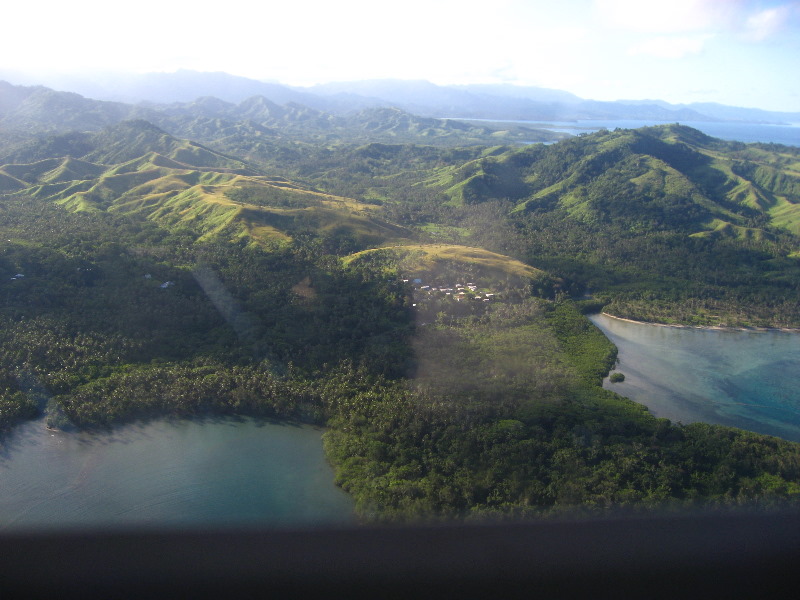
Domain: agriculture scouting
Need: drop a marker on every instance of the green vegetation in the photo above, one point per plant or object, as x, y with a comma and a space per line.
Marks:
143, 275
545, 440
104, 300
492, 411
659, 224
211, 194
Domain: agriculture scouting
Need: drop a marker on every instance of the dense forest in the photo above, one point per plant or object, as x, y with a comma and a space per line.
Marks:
422, 301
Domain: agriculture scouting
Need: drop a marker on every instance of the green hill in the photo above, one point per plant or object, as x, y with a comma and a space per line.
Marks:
130, 140
436, 260
37, 109
669, 177
664, 223
179, 183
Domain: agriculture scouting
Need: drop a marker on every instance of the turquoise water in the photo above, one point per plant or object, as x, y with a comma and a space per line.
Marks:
788, 134
216, 473
725, 130
738, 378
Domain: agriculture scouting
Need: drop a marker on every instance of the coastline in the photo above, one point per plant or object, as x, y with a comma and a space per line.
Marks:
709, 327
718, 377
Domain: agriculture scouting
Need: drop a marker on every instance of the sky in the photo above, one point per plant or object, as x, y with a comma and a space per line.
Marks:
735, 52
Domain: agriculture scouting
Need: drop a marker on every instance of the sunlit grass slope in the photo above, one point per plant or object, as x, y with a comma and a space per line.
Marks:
449, 259
212, 201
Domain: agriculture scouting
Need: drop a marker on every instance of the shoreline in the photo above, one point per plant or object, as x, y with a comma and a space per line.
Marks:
708, 327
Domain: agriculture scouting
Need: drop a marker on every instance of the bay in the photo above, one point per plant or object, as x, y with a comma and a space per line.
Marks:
173, 474
788, 134
744, 379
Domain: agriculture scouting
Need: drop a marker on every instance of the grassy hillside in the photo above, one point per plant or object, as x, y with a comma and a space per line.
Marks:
617, 214
178, 183
431, 259
663, 177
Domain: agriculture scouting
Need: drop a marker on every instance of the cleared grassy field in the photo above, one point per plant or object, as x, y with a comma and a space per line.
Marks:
415, 259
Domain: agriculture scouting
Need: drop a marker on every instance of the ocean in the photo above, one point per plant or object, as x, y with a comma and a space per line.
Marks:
787, 134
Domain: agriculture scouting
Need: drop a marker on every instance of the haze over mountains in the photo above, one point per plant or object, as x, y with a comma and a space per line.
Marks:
505, 102
41, 110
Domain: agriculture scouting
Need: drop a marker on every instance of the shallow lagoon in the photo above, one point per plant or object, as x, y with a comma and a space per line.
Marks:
221, 472
744, 379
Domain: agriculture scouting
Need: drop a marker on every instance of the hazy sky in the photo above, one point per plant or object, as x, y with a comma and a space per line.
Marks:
737, 52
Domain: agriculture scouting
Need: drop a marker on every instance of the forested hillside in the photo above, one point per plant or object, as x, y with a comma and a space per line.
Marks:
665, 224
421, 301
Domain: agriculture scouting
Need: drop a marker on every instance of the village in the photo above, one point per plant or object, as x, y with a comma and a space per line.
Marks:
447, 298
458, 292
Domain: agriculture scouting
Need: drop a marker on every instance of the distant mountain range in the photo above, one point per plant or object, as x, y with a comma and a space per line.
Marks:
257, 119
500, 102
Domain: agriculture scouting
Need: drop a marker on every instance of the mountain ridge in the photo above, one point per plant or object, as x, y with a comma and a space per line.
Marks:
428, 99
45, 112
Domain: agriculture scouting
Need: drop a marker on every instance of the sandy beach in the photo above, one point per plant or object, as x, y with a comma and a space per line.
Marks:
711, 327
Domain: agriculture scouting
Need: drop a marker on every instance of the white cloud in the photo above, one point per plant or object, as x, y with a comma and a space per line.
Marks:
591, 47
748, 19
766, 23
670, 46
672, 16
